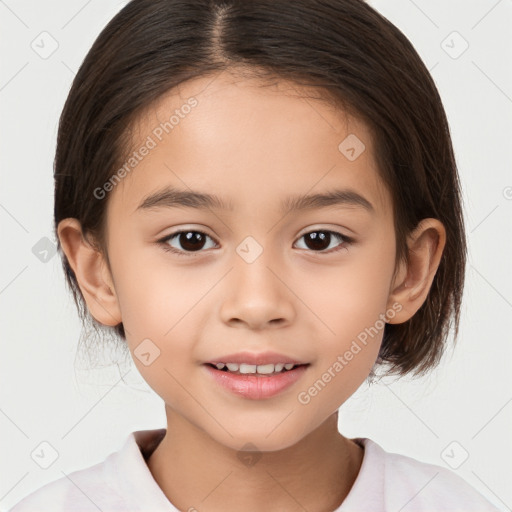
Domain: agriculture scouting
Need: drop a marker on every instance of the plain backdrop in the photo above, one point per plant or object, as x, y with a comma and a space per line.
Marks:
459, 417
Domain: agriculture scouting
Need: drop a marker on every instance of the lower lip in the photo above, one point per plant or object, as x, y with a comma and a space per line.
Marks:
257, 387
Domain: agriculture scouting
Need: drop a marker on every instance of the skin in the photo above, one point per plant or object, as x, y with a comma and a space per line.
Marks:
252, 144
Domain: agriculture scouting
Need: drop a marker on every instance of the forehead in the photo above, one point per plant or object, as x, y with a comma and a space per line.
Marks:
249, 142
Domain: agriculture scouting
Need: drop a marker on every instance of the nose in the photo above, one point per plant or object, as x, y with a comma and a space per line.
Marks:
256, 295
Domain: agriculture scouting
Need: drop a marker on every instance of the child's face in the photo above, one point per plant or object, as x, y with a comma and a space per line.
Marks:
252, 147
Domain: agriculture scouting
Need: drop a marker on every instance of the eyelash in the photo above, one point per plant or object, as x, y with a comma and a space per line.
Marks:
166, 247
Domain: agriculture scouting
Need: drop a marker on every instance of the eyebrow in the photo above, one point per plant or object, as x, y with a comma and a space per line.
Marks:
171, 197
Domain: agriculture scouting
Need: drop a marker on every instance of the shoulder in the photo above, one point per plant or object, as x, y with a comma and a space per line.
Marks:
390, 481
77, 491
121, 482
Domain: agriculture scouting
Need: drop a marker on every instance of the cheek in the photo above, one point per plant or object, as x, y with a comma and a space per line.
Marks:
153, 291
349, 301
156, 299
348, 296
162, 304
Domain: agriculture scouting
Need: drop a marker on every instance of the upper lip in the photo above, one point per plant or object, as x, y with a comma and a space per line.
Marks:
256, 358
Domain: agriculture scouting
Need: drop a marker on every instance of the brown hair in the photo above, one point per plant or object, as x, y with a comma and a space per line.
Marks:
346, 49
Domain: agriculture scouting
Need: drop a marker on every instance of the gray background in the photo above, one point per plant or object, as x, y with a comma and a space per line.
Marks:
459, 417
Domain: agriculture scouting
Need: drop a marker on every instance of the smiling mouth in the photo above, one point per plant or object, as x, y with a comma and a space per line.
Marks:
264, 370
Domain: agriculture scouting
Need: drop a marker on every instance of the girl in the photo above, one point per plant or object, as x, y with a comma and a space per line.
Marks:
261, 199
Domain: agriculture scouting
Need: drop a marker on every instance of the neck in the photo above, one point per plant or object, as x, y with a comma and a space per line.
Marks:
196, 472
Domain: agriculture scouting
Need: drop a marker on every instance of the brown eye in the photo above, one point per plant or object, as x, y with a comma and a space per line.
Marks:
321, 240
191, 241
187, 241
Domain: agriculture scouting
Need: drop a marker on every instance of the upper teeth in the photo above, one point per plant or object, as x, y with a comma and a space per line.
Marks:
252, 368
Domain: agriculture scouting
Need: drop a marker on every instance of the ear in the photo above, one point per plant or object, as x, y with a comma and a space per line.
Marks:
413, 280
92, 273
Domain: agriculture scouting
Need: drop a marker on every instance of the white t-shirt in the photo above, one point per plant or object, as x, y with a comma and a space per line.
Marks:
386, 482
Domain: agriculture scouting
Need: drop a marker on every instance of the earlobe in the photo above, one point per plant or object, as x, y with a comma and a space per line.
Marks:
414, 279
91, 272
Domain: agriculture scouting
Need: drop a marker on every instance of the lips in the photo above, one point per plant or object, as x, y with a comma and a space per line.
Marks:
256, 376
256, 387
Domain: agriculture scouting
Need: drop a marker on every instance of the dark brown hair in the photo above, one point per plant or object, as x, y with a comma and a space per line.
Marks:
344, 48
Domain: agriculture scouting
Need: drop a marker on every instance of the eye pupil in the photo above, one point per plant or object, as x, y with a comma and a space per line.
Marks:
316, 240
189, 239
